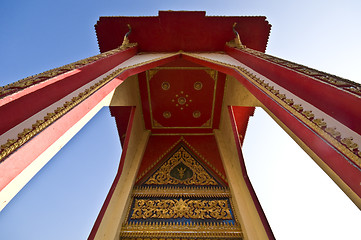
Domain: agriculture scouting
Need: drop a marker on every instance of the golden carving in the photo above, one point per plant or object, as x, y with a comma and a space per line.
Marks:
308, 114
298, 107
188, 208
333, 132
236, 42
12, 144
338, 82
163, 175
213, 230
319, 122
181, 139
349, 143
175, 191
41, 77
305, 116
126, 44
289, 101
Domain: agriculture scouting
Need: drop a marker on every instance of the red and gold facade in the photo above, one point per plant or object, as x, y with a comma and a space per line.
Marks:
181, 88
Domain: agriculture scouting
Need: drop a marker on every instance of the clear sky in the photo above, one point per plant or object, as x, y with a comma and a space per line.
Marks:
63, 200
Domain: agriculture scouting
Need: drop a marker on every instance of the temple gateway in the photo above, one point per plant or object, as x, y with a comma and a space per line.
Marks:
181, 87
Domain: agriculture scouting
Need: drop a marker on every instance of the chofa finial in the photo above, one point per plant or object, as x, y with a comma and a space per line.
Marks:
236, 42
126, 43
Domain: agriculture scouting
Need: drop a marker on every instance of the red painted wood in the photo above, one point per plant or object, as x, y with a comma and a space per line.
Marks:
18, 107
246, 178
241, 117
121, 115
337, 103
339, 163
171, 31
181, 82
130, 116
13, 165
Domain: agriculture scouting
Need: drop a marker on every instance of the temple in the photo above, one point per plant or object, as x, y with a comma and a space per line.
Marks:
181, 87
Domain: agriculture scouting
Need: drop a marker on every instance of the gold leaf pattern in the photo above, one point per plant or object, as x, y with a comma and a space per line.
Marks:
162, 175
188, 208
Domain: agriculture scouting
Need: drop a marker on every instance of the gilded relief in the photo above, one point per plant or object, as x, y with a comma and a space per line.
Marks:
179, 208
181, 200
181, 168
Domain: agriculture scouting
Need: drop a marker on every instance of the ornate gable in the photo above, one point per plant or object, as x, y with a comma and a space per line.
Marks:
181, 169
180, 198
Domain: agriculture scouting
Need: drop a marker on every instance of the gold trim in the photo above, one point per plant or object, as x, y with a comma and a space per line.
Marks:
318, 126
181, 68
12, 144
182, 134
179, 208
338, 82
214, 192
42, 77
172, 229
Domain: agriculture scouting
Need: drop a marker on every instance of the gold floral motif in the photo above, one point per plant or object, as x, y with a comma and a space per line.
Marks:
319, 122
188, 208
298, 107
349, 143
333, 132
163, 175
308, 114
181, 139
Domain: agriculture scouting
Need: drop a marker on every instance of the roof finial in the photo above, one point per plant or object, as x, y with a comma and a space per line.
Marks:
126, 43
236, 42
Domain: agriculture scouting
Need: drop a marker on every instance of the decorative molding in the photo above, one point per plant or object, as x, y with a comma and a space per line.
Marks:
42, 77
338, 82
213, 192
221, 230
12, 144
178, 208
347, 147
181, 168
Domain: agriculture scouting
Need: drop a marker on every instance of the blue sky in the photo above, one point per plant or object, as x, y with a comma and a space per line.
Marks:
63, 200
